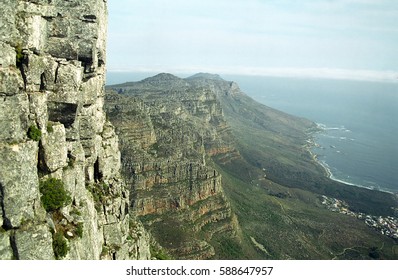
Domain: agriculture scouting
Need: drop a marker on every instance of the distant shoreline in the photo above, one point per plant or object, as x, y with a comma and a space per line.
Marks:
329, 173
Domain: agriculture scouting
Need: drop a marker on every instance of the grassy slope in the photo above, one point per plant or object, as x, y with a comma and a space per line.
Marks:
297, 227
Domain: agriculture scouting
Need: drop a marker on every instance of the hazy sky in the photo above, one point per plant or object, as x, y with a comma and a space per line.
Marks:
340, 38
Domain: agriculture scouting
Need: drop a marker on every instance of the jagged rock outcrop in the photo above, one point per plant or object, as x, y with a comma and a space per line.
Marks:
169, 131
53, 129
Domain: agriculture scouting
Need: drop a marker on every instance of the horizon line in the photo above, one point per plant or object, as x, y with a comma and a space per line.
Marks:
288, 72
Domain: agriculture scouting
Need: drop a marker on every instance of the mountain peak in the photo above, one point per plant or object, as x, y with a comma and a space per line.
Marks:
206, 76
162, 77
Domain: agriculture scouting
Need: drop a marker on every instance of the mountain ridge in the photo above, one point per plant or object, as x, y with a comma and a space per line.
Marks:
207, 76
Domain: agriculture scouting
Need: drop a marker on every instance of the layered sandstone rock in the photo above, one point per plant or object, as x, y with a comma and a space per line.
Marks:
169, 131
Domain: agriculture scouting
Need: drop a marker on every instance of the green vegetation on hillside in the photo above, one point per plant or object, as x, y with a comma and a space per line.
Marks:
296, 226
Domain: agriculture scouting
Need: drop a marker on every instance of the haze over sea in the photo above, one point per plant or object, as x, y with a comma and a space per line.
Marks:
359, 141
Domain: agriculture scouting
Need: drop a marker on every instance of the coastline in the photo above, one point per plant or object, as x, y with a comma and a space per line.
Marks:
311, 144
326, 168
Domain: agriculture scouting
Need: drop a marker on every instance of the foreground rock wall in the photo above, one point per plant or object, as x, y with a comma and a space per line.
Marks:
52, 125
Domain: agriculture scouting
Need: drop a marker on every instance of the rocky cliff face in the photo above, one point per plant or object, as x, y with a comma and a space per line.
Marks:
54, 132
169, 130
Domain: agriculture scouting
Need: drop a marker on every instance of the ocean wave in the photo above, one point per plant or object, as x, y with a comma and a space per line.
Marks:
372, 186
334, 178
330, 136
333, 128
321, 125
325, 127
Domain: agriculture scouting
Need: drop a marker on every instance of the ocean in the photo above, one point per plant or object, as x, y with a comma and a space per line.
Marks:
358, 143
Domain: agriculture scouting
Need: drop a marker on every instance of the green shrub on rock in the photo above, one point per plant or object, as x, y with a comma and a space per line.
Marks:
50, 128
79, 230
54, 195
60, 245
34, 133
19, 55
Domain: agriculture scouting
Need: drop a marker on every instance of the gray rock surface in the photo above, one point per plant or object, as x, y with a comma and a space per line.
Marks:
5, 246
18, 182
52, 73
54, 147
13, 118
34, 243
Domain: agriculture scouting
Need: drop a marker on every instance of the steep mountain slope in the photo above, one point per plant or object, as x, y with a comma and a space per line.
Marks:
167, 131
269, 180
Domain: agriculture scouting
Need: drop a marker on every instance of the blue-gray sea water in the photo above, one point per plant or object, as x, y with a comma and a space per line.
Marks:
359, 141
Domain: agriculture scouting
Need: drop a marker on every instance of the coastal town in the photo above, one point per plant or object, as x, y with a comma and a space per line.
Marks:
387, 226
